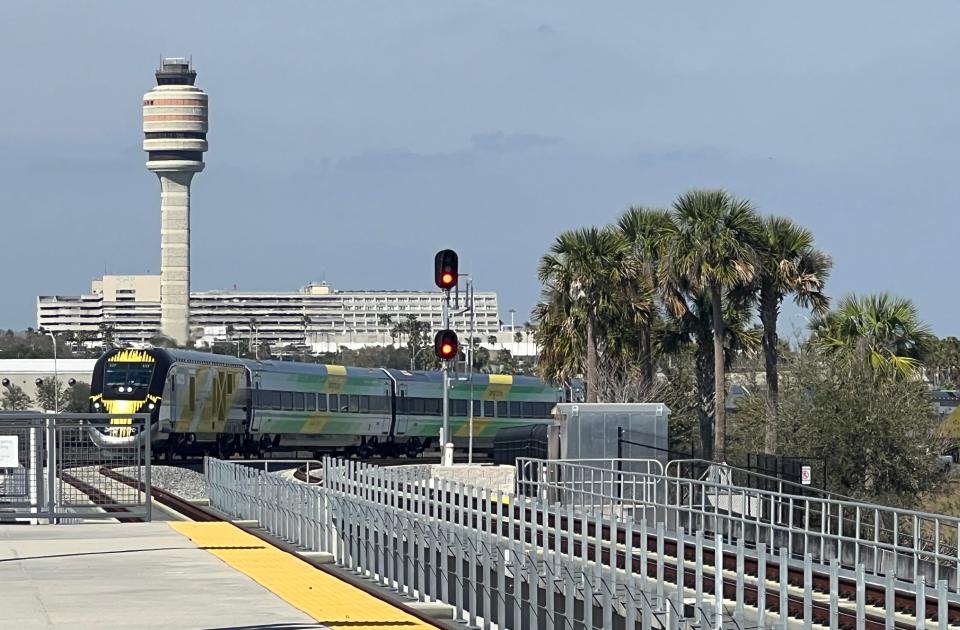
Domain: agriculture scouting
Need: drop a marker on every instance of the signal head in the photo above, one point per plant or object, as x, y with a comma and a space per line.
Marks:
446, 346
445, 269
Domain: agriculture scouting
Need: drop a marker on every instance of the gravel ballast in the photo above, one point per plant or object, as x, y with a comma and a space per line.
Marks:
183, 482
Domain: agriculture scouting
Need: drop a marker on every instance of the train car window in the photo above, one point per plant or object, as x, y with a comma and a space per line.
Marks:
488, 409
477, 408
255, 398
432, 406
530, 409
298, 401
286, 400
459, 407
415, 406
354, 403
193, 389
379, 404
516, 409
364, 404
321, 402
334, 403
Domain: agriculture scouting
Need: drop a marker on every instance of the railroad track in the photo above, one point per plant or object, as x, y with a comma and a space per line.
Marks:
904, 602
99, 498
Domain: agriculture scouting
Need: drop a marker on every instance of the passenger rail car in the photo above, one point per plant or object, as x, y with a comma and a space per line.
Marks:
208, 403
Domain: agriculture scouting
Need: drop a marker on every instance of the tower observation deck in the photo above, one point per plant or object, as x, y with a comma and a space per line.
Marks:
175, 138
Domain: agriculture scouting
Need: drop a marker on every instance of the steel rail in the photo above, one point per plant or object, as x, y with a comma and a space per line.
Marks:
904, 601
202, 514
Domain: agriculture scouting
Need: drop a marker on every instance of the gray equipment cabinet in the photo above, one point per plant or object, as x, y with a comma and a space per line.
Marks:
589, 431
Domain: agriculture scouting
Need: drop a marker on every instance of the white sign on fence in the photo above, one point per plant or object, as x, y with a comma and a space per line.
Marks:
805, 475
8, 452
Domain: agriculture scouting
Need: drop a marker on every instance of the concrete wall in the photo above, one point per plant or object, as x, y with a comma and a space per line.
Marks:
24, 372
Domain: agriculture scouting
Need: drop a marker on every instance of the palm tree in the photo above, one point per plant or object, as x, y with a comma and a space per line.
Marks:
583, 268
944, 362
690, 323
560, 334
789, 265
877, 331
645, 230
710, 248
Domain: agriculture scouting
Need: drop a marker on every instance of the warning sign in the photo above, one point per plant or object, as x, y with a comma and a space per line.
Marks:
8, 451
805, 475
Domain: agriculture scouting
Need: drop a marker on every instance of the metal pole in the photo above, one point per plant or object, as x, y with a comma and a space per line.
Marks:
446, 384
470, 366
51, 470
56, 376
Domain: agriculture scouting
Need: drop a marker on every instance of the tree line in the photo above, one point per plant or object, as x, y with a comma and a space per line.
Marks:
662, 304
49, 397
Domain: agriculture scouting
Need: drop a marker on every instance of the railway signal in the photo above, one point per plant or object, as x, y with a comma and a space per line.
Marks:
445, 269
446, 345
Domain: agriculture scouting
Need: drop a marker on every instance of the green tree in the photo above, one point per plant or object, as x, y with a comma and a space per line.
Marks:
645, 230
77, 398
107, 335
710, 248
15, 399
47, 394
584, 270
689, 329
418, 338
789, 266
877, 332
943, 363
879, 438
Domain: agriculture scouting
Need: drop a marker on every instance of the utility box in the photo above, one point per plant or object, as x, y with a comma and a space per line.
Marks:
604, 431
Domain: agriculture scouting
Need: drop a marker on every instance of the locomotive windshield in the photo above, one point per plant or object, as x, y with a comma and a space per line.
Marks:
127, 378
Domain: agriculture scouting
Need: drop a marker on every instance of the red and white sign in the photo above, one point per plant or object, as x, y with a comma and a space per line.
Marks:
805, 475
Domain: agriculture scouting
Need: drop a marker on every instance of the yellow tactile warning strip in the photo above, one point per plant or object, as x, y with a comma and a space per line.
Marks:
327, 599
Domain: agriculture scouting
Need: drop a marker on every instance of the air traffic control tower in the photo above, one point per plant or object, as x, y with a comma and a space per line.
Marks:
175, 137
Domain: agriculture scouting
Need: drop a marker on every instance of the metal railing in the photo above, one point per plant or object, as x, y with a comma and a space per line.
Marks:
885, 541
51, 467
496, 559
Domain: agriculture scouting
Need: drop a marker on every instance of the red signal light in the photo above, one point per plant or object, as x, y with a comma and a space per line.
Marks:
445, 269
446, 345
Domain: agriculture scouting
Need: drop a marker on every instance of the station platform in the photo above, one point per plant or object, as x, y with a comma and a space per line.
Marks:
212, 576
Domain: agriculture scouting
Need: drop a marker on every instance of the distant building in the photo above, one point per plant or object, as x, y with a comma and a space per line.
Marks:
23, 373
316, 316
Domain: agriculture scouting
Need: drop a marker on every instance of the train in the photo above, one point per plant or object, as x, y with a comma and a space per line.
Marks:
202, 403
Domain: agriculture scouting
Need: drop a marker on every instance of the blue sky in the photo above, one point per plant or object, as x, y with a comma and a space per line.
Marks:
345, 135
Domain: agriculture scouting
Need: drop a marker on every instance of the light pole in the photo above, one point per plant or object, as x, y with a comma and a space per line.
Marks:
417, 355
56, 376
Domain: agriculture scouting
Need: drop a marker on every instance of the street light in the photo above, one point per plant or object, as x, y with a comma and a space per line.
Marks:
56, 376
415, 356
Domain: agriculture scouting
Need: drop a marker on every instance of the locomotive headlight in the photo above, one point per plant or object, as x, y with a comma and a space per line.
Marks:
96, 405
151, 406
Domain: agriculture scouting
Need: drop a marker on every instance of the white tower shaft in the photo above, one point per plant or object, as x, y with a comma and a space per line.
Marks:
175, 254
